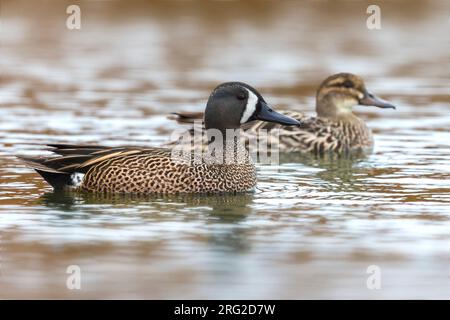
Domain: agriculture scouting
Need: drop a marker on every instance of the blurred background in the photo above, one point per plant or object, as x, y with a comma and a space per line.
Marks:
311, 229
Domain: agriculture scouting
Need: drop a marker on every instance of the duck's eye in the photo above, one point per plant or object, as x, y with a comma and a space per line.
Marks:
348, 84
241, 96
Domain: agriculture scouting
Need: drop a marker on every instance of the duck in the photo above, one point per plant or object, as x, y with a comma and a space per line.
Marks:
335, 129
157, 170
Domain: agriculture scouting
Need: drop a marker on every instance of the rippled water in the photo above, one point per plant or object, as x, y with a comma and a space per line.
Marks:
311, 229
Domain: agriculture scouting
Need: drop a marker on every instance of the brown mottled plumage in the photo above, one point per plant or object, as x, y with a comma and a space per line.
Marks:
158, 170
141, 170
336, 129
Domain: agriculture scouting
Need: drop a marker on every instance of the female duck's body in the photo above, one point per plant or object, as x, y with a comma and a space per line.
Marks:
335, 129
321, 135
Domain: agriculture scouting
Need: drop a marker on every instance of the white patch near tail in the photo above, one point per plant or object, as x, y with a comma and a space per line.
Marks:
77, 179
250, 108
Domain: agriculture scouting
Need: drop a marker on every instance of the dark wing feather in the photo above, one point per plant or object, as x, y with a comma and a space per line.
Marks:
65, 149
186, 117
77, 159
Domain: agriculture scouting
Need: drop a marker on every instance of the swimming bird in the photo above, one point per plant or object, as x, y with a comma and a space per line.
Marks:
157, 170
334, 130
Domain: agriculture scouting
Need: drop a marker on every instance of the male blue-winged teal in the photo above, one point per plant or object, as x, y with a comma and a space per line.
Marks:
335, 129
155, 170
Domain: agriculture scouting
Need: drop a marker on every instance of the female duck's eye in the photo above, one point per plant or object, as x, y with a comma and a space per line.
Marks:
241, 96
348, 84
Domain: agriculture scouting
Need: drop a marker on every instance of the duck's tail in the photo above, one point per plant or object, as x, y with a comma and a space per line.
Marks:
57, 179
61, 172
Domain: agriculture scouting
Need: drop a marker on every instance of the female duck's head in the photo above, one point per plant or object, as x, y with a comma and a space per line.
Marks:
340, 92
233, 104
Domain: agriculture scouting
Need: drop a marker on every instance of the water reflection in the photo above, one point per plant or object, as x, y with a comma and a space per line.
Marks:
225, 209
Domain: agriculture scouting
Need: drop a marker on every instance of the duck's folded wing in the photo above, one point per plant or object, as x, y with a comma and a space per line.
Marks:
316, 135
58, 171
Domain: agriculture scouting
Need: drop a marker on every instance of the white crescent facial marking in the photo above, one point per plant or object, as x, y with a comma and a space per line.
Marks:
77, 179
250, 108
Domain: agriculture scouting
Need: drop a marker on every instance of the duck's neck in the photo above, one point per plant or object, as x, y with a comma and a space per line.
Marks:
227, 147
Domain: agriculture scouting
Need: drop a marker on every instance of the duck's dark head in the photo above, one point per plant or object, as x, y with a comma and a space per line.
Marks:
339, 93
233, 104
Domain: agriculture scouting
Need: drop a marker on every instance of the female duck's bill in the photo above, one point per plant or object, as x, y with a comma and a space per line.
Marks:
369, 99
152, 170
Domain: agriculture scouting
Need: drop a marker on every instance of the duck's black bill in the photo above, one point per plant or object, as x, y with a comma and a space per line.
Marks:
372, 100
268, 114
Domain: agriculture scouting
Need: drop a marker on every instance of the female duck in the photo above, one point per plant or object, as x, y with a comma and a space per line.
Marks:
335, 129
155, 170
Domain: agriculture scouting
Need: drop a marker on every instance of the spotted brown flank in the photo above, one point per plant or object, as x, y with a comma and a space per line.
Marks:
140, 170
335, 129
156, 170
